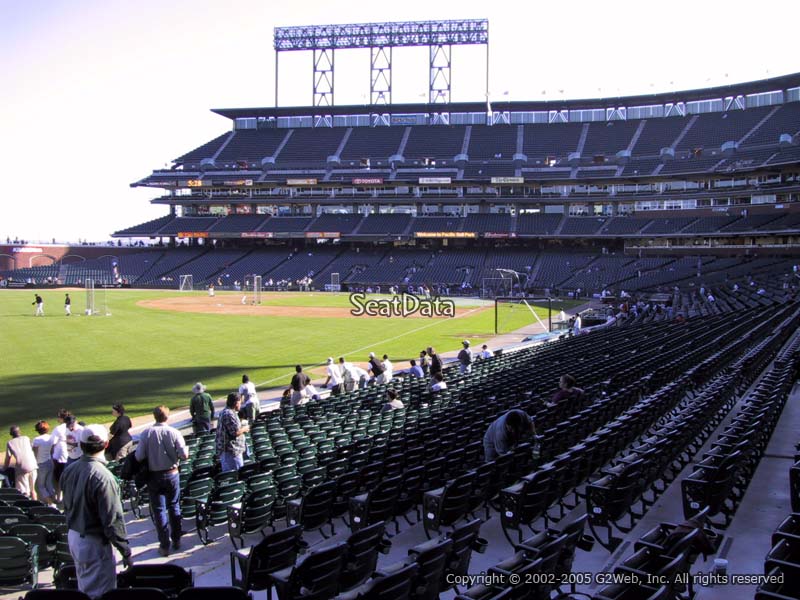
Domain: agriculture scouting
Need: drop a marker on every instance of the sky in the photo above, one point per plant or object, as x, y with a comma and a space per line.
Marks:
95, 94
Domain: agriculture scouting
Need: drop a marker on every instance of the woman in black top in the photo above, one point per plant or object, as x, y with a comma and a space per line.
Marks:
121, 442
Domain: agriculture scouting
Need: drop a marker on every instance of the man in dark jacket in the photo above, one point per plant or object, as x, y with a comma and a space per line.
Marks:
201, 407
436, 362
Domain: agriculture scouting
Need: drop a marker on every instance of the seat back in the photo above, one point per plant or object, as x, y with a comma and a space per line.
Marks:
317, 575
18, 561
432, 559
396, 586
382, 500
146, 593
51, 594
36, 535
362, 555
169, 578
276, 551
464, 538
213, 593
317, 505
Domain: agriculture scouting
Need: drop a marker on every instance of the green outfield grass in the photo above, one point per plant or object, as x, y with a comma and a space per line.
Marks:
143, 357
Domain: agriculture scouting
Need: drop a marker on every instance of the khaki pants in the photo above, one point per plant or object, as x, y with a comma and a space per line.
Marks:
26, 483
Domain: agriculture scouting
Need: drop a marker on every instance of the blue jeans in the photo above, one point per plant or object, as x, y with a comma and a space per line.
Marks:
165, 495
230, 461
201, 424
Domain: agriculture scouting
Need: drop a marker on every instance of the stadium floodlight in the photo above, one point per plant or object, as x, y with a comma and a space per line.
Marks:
381, 39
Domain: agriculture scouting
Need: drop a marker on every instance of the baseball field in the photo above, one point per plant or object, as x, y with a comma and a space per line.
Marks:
154, 345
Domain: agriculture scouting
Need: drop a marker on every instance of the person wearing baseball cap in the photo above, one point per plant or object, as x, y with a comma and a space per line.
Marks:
465, 358
93, 507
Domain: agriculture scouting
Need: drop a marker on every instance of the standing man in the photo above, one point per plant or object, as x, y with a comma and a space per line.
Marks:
388, 369
423, 362
231, 442
37, 300
299, 382
25, 465
376, 368
247, 392
94, 516
73, 437
465, 358
201, 407
436, 362
163, 447
335, 377
67, 306
58, 450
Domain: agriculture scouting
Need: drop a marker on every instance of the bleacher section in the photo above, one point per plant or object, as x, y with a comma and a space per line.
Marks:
434, 142
541, 141
207, 150
386, 224
372, 142
308, 146
238, 223
485, 222
538, 224
286, 224
606, 139
250, 146
335, 222
497, 142
150, 228
582, 225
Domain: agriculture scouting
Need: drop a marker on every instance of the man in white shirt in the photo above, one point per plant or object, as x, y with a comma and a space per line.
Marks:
73, 435
247, 392
485, 352
438, 383
388, 368
352, 375
335, 378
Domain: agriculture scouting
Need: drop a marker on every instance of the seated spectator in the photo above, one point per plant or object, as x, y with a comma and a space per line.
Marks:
485, 352
415, 370
393, 402
438, 383
566, 389
506, 432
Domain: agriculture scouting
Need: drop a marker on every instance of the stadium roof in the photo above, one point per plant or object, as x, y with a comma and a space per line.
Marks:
753, 87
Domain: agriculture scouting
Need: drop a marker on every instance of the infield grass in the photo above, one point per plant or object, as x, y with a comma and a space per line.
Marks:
143, 357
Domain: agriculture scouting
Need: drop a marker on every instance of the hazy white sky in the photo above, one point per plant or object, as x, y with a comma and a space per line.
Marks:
94, 94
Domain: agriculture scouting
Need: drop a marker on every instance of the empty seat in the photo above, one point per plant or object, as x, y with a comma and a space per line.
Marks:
169, 578
275, 552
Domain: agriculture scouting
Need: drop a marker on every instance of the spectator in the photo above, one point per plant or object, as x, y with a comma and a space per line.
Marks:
436, 362
335, 378
201, 407
42, 448
163, 447
121, 443
485, 352
299, 383
59, 449
230, 435
73, 434
392, 403
388, 369
566, 390
438, 383
376, 368
423, 362
415, 370
94, 516
506, 432
25, 465
247, 392
353, 375
465, 358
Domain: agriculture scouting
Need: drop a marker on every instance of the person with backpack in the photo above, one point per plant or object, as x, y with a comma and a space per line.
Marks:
465, 358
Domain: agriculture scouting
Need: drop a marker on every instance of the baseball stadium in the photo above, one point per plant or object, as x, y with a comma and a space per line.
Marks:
622, 270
